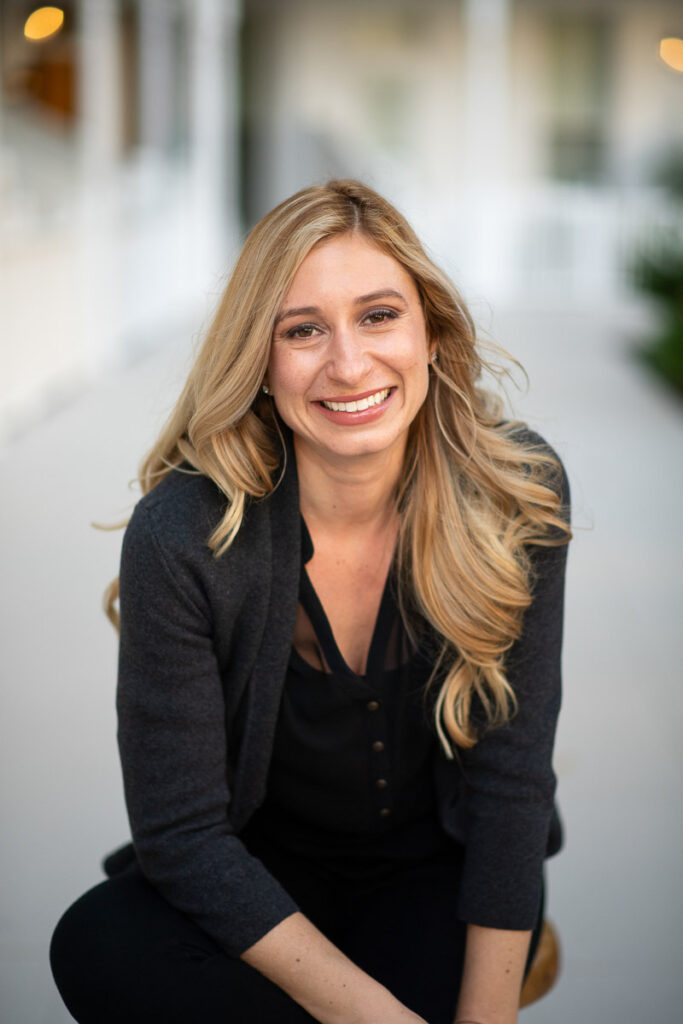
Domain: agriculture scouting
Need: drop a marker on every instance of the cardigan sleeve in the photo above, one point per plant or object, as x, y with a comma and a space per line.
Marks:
509, 783
173, 748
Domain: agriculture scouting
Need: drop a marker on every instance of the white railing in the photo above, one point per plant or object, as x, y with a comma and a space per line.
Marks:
550, 244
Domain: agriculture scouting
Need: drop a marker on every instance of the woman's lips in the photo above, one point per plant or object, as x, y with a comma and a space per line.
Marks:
356, 409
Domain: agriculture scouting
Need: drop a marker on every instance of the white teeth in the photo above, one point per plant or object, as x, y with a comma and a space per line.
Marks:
361, 404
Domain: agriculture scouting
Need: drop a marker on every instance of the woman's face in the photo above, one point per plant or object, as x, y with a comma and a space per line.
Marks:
349, 363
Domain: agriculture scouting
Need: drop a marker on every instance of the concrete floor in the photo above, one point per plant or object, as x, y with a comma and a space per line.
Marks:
614, 893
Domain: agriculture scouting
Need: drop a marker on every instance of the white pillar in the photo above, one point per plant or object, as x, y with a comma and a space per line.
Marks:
214, 154
486, 88
485, 148
100, 96
100, 112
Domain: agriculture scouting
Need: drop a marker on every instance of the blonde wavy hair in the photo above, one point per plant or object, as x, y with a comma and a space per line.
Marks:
473, 495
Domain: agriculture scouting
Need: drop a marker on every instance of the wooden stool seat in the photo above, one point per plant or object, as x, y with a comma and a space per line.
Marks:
545, 967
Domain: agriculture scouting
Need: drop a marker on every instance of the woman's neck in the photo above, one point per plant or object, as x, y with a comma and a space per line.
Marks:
349, 493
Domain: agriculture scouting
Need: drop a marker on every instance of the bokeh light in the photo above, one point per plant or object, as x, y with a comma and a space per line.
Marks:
671, 52
43, 23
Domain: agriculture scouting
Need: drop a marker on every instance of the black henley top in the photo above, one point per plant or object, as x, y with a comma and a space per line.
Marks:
352, 773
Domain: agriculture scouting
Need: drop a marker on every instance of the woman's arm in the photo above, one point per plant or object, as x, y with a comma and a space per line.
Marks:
506, 781
509, 804
318, 976
492, 976
172, 722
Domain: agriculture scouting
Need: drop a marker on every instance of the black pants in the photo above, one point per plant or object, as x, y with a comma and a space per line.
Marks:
122, 955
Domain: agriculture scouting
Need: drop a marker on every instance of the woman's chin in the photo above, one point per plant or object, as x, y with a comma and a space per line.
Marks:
344, 444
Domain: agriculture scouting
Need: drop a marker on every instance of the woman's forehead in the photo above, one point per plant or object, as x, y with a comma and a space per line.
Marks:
348, 266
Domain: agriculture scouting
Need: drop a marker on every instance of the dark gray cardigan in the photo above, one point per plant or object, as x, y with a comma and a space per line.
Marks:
203, 654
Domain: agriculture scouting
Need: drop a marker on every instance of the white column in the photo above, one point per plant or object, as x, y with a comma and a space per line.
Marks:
486, 88
100, 111
100, 97
485, 146
214, 156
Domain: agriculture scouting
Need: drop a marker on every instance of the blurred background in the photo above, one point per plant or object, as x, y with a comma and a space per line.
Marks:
537, 148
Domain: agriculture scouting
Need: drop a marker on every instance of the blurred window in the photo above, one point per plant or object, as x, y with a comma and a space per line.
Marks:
577, 95
158, 56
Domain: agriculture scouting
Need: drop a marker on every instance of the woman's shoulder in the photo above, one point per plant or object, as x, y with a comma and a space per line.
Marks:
184, 506
167, 541
181, 494
179, 515
544, 454
525, 436
183, 510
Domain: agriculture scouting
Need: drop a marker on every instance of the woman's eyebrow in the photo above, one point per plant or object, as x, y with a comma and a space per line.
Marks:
299, 311
383, 293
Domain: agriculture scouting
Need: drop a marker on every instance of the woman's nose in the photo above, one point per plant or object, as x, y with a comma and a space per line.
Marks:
349, 359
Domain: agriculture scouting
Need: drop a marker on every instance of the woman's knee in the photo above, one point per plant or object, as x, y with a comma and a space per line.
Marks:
110, 949
122, 955
73, 955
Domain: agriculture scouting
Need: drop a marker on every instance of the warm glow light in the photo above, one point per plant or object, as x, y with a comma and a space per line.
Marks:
671, 52
43, 23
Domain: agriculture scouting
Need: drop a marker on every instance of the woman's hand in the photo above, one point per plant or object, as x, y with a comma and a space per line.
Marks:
318, 976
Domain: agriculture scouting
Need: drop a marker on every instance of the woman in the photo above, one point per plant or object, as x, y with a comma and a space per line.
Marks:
341, 617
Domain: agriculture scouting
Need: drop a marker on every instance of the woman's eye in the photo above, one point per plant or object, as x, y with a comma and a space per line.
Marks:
301, 332
379, 316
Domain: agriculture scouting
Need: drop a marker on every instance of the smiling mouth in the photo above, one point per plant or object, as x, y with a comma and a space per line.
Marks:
360, 404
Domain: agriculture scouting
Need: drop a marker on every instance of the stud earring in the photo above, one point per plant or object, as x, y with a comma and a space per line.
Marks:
435, 357
265, 389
